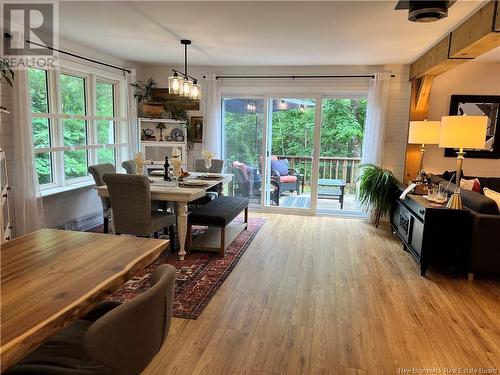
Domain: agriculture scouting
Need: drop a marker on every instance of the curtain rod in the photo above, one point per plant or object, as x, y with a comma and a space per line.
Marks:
299, 76
9, 36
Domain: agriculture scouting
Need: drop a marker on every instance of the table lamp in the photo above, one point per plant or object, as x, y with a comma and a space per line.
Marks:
161, 126
423, 133
462, 132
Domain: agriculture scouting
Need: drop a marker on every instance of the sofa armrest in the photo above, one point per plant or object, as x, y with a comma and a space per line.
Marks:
485, 243
293, 172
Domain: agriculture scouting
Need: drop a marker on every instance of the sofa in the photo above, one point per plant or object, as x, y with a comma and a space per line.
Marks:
484, 253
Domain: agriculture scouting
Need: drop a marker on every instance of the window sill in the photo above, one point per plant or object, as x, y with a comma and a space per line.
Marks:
64, 189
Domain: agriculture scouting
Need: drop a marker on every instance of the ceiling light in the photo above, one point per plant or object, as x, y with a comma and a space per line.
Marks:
185, 86
425, 10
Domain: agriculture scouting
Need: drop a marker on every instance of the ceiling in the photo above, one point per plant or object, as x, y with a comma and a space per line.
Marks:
255, 32
490, 57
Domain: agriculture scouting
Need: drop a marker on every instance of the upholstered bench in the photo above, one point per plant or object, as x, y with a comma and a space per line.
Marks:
218, 213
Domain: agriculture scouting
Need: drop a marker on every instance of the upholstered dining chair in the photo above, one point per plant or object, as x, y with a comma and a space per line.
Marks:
113, 338
131, 201
216, 167
129, 166
97, 171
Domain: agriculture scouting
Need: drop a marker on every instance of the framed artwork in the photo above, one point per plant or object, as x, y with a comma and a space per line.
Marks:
479, 105
197, 128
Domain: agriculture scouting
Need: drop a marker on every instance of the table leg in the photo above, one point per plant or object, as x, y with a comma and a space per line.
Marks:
181, 210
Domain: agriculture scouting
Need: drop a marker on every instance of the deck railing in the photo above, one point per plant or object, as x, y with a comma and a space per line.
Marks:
339, 168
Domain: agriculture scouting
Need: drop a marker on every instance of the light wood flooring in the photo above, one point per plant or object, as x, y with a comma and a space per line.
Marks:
321, 295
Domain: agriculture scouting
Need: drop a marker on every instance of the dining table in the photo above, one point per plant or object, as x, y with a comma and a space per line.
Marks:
51, 277
181, 194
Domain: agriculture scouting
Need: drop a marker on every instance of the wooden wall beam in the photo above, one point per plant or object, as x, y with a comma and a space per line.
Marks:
475, 36
419, 109
422, 99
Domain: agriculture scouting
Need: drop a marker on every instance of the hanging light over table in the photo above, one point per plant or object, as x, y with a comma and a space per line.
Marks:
183, 84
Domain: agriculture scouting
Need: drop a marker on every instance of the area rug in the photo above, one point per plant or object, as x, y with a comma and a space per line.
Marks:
199, 276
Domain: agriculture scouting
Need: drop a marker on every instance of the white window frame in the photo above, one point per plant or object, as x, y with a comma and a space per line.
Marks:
55, 117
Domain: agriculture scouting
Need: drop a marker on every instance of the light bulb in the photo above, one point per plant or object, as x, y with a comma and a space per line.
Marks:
195, 91
186, 91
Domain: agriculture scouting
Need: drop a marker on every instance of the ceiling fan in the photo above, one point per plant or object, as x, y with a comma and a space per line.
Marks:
425, 10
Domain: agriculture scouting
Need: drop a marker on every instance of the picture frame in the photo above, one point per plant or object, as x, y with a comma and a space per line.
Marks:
196, 123
479, 105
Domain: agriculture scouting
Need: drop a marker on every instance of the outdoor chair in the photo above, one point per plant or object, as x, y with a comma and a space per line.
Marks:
289, 179
248, 182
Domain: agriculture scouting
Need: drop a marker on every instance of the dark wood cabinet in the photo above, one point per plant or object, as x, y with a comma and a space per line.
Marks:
433, 235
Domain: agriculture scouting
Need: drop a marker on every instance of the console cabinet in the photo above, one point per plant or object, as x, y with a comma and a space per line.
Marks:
433, 235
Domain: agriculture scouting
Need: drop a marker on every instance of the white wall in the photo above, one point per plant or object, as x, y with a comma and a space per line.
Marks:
471, 78
398, 106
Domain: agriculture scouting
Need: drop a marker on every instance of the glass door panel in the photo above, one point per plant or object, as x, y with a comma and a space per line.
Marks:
290, 146
243, 124
342, 129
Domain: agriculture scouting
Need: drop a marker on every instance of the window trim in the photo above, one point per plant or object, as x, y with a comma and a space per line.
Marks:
55, 118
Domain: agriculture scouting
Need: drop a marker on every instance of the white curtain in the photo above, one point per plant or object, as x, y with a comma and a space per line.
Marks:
28, 209
212, 132
373, 142
131, 104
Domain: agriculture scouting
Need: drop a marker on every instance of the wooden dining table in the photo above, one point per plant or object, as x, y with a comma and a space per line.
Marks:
51, 277
181, 196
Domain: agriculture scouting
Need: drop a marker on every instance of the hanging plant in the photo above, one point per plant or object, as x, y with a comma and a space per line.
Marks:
377, 189
7, 72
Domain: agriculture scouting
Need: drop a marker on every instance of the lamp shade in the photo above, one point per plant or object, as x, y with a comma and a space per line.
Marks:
424, 132
463, 131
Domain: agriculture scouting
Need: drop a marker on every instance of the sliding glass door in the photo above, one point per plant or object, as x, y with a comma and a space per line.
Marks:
243, 129
298, 154
290, 148
342, 130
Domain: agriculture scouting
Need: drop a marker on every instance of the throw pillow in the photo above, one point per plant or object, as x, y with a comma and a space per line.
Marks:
492, 194
280, 166
450, 176
473, 185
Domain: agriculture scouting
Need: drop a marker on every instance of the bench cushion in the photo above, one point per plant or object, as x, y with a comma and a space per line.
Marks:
219, 212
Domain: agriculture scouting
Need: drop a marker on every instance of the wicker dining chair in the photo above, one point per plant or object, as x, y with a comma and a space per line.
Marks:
113, 338
97, 171
131, 201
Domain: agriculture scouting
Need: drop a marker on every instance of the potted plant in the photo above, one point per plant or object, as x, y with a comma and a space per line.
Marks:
377, 189
7, 72
144, 94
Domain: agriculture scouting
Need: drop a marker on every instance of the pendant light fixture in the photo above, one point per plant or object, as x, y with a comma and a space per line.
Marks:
183, 84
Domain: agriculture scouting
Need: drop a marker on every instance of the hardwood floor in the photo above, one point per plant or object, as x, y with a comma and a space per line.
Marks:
320, 295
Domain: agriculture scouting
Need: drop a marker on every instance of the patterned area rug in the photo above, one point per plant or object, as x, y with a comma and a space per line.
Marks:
199, 276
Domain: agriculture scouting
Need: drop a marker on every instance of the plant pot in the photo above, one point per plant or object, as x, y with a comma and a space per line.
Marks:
153, 110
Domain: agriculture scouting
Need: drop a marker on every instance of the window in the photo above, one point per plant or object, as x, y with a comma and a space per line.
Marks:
41, 128
105, 128
75, 124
